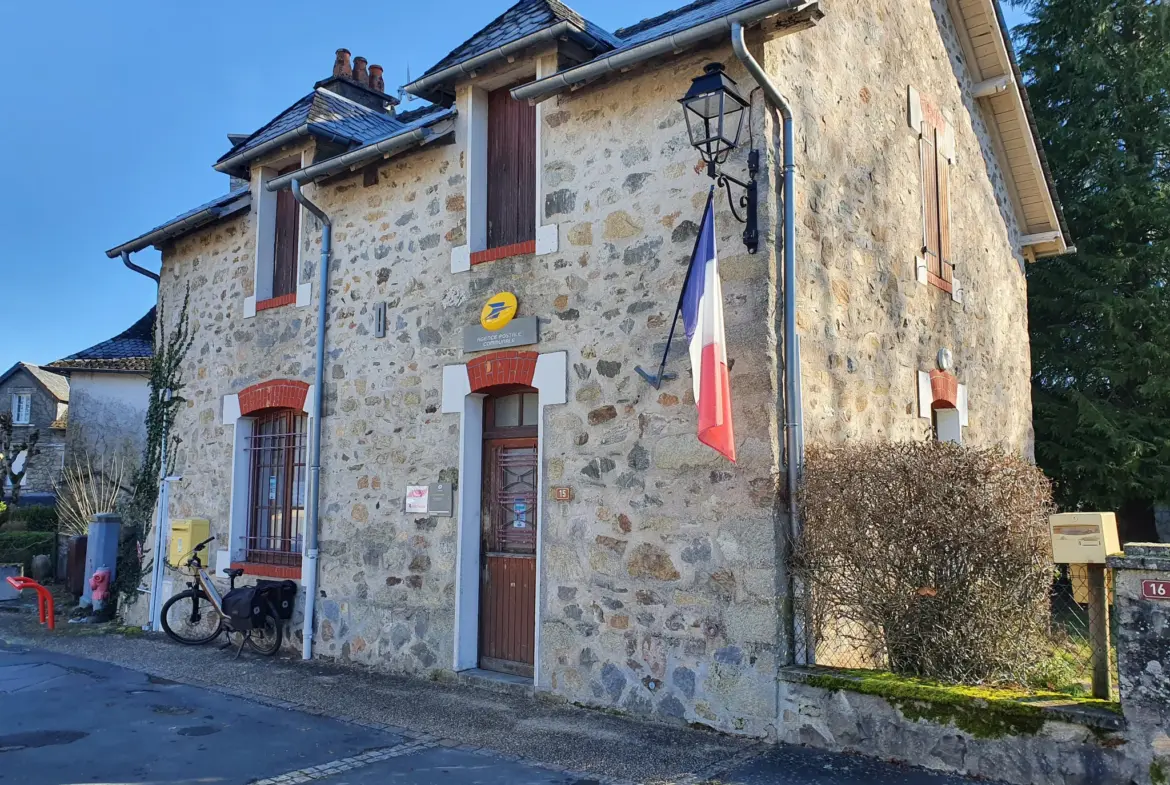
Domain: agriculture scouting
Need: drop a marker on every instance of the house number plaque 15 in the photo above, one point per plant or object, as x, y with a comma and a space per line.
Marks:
1156, 590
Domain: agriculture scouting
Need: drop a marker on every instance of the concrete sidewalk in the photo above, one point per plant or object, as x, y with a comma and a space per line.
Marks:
549, 742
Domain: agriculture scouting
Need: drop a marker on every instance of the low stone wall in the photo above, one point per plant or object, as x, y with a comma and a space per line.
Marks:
1027, 745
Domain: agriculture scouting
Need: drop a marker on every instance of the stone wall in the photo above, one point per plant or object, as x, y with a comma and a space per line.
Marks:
45, 468
1143, 654
660, 576
1058, 747
867, 327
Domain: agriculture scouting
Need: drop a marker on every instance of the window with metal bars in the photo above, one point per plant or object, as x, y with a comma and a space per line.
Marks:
277, 487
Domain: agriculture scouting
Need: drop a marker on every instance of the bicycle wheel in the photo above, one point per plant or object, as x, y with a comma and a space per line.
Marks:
191, 619
266, 638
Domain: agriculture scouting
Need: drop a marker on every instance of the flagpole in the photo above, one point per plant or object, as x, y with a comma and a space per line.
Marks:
657, 380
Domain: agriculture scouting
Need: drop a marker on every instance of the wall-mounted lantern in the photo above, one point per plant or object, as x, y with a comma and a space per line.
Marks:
714, 112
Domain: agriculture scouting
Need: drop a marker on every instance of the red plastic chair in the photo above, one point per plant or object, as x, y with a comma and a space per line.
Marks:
44, 598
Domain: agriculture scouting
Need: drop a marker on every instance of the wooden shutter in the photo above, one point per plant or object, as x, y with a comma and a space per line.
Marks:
943, 167
511, 164
930, 183
284, 267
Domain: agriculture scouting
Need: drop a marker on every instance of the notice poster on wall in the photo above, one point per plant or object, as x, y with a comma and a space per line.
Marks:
417, 497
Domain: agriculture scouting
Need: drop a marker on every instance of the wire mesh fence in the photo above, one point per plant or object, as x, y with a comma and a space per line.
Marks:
842, 642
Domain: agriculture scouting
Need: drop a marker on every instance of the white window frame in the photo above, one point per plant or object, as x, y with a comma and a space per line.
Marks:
472, 128
241, 470
17, 397
264, 214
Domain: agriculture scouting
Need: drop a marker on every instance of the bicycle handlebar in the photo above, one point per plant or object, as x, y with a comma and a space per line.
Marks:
199, 547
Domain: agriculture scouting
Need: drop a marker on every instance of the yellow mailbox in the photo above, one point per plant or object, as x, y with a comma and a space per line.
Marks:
1083, 537
186, 533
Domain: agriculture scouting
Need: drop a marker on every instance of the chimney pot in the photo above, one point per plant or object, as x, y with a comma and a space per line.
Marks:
359, 70
341, 64
376, 80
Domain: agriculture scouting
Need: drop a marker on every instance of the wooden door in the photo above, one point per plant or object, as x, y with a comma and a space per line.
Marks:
507, 616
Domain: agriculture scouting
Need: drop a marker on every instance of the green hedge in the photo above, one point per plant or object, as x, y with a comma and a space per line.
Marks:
21, 547
36, 517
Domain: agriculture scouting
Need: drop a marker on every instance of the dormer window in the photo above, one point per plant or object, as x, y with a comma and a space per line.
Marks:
505, 204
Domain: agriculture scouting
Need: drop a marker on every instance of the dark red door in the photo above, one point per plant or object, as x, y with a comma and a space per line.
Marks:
507, 618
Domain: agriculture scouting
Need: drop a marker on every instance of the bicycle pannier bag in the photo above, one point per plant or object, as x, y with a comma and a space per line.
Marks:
282, 595
245, 607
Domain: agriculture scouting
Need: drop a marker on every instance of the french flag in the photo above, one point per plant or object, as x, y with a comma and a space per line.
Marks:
702, 309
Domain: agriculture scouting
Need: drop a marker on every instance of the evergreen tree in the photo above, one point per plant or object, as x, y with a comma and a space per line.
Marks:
1098, 75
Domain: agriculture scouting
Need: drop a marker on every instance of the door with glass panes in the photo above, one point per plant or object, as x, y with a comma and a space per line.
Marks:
507, 615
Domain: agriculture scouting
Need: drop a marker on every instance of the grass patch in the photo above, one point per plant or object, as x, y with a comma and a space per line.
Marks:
983, 711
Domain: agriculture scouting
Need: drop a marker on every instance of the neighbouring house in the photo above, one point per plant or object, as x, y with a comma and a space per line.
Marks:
109, 386
38, 401
591, 545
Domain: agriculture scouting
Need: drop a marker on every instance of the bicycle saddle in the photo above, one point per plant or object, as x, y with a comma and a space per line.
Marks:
235, 572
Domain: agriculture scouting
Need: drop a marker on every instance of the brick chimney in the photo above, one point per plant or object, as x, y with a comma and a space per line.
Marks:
341, 64
376, 80
359, 83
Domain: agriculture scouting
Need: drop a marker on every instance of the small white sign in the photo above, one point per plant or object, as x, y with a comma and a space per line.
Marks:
417, 497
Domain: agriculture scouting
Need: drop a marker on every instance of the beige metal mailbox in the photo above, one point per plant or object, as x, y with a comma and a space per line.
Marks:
1083, 537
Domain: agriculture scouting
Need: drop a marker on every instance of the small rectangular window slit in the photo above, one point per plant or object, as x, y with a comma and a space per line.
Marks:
380, 320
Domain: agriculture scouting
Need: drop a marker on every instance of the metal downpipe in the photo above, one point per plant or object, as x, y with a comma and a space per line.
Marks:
126, 261
793, 416
309, 574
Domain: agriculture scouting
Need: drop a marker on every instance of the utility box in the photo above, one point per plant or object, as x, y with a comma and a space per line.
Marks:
1083, 537
186, 533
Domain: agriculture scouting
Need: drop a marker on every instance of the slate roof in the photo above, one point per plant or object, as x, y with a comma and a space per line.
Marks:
219, 207
322, 111
678, 20
57, 386
523, 19
130, 350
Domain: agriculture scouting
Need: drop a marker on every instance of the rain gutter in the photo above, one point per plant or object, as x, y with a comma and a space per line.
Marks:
670, 44
164, 233
427, 83
357, 158
288, 137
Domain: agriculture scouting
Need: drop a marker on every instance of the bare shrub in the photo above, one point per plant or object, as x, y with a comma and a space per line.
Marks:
937, 553
87, 488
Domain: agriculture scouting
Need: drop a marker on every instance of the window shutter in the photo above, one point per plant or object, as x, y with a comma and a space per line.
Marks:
284, 265
511, 163
946, 267
928, 148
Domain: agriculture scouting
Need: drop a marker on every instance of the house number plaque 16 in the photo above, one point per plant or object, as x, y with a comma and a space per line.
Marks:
1156, 590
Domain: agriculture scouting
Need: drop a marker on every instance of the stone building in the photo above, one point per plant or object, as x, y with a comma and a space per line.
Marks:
38, 402
591, 545
109, 386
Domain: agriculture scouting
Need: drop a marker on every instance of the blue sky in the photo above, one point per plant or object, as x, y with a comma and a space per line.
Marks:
115, 112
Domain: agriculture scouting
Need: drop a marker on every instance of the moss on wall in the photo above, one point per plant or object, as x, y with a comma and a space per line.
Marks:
982, 711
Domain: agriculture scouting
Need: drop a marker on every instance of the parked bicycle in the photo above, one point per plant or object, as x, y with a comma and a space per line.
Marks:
199, 615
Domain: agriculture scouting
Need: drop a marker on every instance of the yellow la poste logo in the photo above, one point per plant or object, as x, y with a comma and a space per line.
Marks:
498, 311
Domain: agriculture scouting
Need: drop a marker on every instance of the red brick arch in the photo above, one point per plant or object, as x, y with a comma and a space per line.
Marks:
273, 394
506, 367
944, 390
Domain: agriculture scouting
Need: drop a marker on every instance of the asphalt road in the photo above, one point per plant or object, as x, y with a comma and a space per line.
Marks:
70, 720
